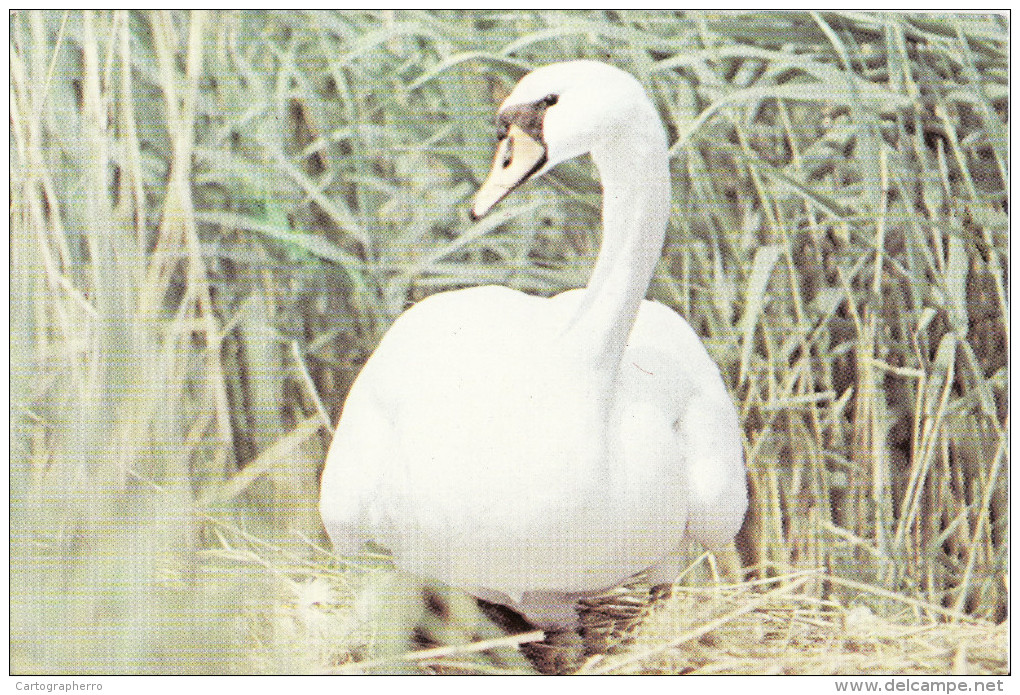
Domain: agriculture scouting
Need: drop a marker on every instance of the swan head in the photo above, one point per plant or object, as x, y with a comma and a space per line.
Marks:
556, 113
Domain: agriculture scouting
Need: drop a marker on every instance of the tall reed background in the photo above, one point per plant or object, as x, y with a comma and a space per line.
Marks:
215, 216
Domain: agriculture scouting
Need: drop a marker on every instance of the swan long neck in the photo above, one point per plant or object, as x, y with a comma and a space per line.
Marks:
633, 164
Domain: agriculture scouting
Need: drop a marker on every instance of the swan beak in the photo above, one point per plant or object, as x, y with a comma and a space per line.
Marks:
518, 156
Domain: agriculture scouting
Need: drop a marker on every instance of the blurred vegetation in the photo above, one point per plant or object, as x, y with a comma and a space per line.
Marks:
215, 216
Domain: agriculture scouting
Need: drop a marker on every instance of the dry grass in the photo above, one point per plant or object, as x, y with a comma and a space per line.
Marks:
214, 216
784, 632
778, 626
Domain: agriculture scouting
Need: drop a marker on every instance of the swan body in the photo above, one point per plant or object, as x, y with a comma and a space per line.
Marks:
532, 450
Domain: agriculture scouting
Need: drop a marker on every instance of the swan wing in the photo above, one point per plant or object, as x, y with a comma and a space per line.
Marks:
666, 360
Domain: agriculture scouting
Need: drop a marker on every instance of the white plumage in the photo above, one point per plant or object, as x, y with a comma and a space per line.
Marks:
533, 450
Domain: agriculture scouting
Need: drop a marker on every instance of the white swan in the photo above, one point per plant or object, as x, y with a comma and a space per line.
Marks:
532, 450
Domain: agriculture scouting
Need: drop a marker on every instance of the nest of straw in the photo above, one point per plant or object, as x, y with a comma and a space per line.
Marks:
782, 627
777, 626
